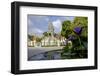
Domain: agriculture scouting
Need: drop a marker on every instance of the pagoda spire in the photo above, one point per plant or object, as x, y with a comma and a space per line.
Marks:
51, 28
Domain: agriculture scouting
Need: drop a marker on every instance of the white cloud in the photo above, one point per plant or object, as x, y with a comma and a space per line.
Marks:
36, 30
32, 29
57, 25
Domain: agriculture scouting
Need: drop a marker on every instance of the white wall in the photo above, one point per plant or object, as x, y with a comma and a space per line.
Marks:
5, 41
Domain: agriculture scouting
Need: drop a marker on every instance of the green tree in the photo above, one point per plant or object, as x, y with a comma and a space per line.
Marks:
30, 37
83, 22
45, 33
80, 21
79, 43
38, 39
66, 28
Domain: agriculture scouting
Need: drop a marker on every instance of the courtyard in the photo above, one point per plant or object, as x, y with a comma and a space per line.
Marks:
33, 51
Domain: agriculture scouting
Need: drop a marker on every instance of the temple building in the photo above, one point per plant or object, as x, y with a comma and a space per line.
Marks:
50, 40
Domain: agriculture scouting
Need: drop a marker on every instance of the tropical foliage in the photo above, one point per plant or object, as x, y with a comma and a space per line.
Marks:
76, 32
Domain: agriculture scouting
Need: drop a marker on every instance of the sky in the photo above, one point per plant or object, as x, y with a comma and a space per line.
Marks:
37, 24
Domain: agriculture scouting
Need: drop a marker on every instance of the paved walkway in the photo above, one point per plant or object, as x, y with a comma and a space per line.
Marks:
36, 50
